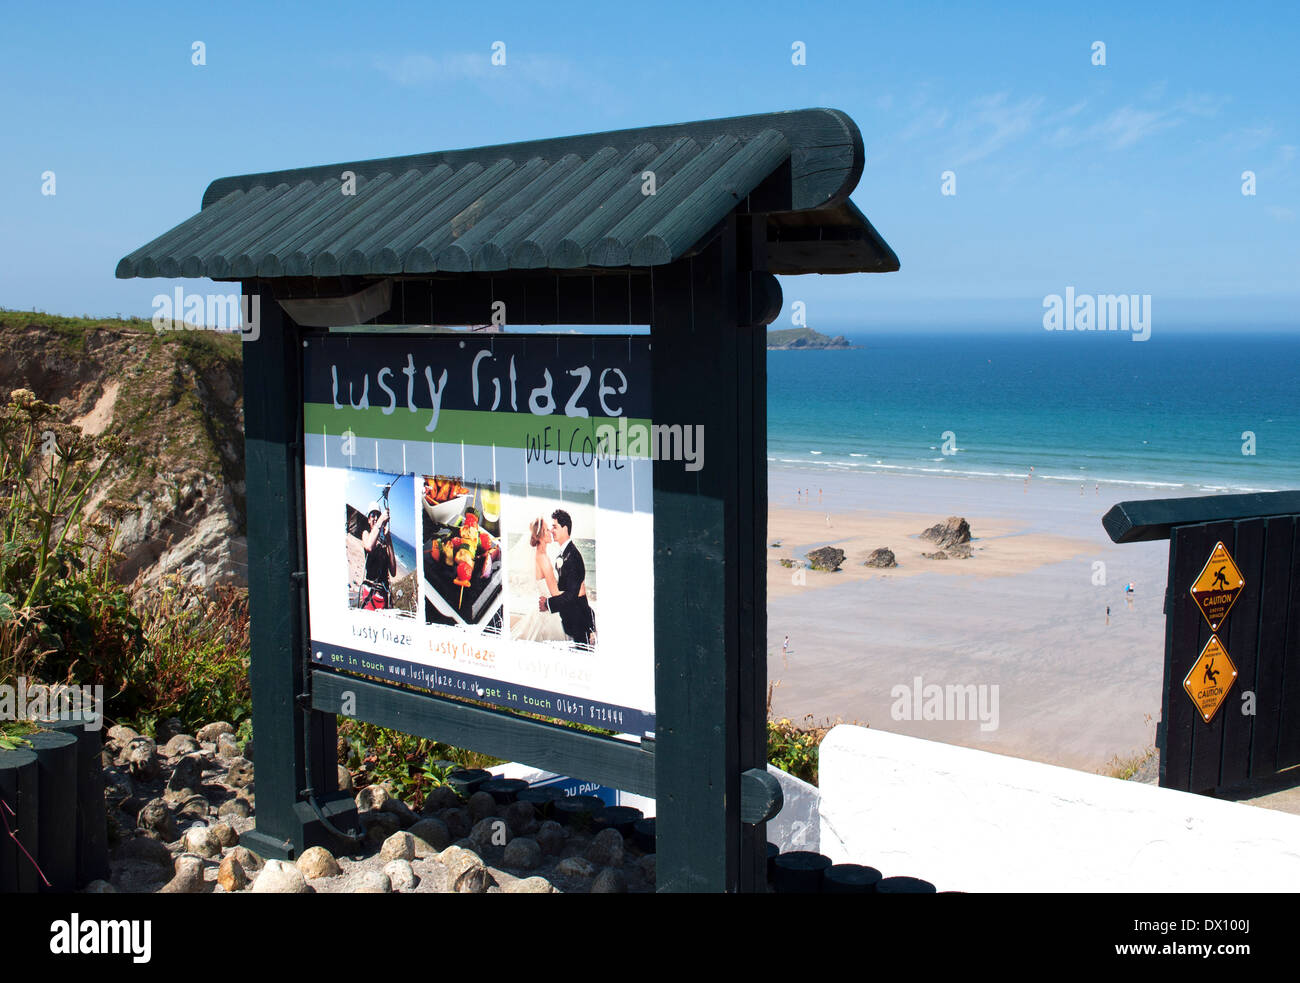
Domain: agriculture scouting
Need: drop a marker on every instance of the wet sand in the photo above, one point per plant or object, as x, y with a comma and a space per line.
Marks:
1026, 614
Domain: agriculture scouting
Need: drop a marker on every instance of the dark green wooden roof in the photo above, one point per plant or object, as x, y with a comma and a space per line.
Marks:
572, 203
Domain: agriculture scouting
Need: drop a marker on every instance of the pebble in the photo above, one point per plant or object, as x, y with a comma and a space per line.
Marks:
441, 797
432, 832
609, 881
249, 860
399, 846
575, 867
550, 837
142, 760
490, 832
100, 887
225, 834
180, 745
238, 807
379, 826
240, 773
373, 882
606, 849
212, 732
400, 875
194, 808
345, 781
231, 874
405, 815
523, 853
121, 735
188, 878
457, 822
372, 798
481, 806
278, 877
227, 746
531, 885
522, 817
188, 772
316, 862
155, 817
199, 840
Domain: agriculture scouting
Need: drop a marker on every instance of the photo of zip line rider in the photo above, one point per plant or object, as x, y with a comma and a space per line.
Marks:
381, 559
380, 554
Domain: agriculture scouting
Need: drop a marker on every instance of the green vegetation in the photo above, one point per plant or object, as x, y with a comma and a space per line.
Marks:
164, 651
405, 763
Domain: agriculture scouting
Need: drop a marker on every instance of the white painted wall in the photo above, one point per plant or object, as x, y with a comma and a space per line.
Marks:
798, 825
970, 820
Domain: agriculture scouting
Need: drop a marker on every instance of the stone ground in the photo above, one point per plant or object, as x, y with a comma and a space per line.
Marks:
176, 811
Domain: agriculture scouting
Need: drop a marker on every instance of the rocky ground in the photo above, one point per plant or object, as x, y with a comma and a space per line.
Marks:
176, 812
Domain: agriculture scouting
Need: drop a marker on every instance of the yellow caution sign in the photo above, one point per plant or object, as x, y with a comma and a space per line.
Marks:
1210, 678
1217, 587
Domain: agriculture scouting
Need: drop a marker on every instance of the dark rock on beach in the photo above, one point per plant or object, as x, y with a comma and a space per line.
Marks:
950, 532
882, 557
827, 558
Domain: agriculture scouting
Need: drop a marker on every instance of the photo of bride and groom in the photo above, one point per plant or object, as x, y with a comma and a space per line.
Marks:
552, 593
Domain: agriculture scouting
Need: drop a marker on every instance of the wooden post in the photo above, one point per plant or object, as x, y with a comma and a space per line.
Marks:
56, 806
708, 371
18, 781
286, 821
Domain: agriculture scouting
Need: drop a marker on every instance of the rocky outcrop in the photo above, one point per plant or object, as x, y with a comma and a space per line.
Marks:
827, 558
796, 339
950, 532
177, 397
882, 557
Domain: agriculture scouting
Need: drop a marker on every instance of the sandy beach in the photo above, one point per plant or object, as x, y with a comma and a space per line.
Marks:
1025, 614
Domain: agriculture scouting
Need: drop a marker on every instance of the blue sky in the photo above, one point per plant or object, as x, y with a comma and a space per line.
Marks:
1117, 178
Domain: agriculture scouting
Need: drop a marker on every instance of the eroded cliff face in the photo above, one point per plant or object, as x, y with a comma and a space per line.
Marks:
178, 397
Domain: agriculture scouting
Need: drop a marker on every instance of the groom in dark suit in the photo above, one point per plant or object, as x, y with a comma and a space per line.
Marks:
570, 573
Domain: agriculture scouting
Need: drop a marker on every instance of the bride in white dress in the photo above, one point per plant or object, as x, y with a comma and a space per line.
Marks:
542, 626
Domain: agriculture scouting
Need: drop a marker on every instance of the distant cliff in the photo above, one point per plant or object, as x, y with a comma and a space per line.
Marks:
803, 338
178, 398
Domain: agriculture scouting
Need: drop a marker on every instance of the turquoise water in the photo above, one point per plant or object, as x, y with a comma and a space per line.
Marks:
1167, 412
405, 554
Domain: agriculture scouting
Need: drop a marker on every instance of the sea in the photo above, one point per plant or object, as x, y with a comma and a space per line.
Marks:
405, 555
1213, 411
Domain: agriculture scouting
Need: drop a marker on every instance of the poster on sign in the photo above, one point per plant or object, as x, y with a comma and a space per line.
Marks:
499, 532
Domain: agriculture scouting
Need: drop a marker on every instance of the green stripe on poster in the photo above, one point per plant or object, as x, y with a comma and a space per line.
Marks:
524, 430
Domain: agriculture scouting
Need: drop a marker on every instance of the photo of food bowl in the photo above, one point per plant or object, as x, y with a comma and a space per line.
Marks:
444, 499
